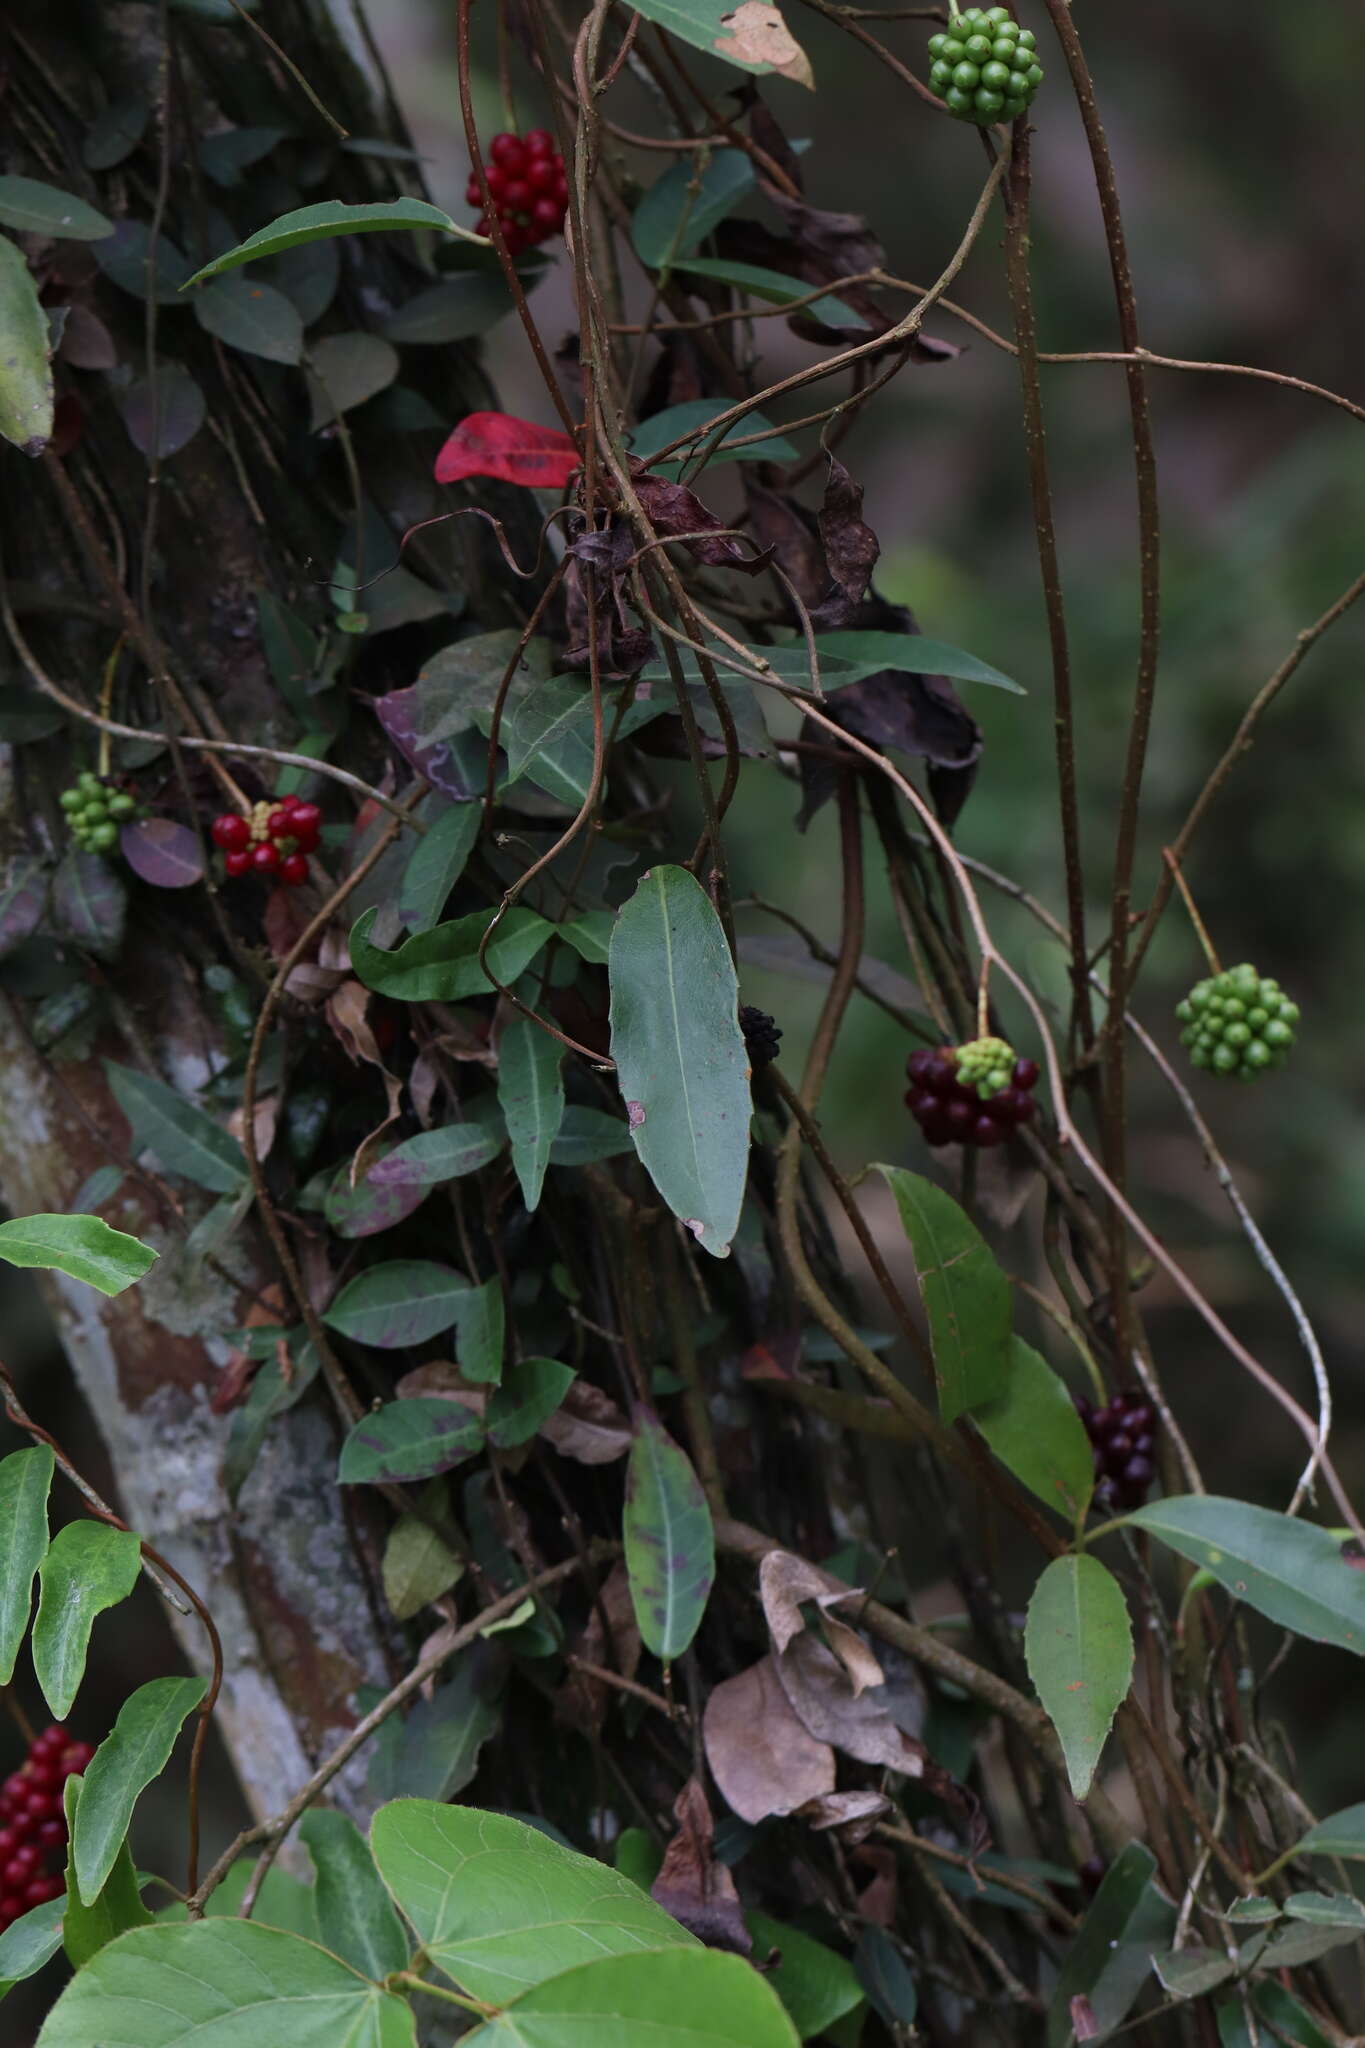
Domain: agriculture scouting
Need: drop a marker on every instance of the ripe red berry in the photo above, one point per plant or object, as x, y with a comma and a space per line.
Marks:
547, 215
54, 1739
1026, 1073
265, 857
509, 153
20, 1868
51, 1834
14, 1788
473, 192
541, 174
230, 831
539, 142
237, 863
497, 181
517, 195
307, 818
42, 1890
10, 1839
294, 870
280, 823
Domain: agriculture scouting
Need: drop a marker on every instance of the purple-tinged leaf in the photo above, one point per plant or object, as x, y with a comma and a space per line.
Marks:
407, 1440
370, 1206
403, 1302
165, 854
174, 412
670, 1544
23, 893
90, 902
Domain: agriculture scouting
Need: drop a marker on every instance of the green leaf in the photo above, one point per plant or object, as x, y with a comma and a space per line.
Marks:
683, 207
346, 369
1289, 1570
499, 1907
369, 1207
482, 1331
1327, 1909
272, 1394
331, 217
115, 134
88, 1567
531, 1092
966, 1296
586, 1135
886, 1977
1109, 1961
774, 287
37, 209
681, 1064
419, 1566
1078, 1641
589, 935
224, 155
704, 24
1191, 1972
25, 371
25, 716
90, 902
282, 1901
548, 734
406, 1440
692, 417
25, 1481
118, 1904
670, 1544
816, 1984
124, 258
530, 1392
1294, 2028
252, 317
454, 310
445, 1154
1290, 1947
434, 1752
437, 865
1034, 1429
30, 1942
442, 965
402, 1302
678, 1998
1341, 1834
911, 653
355, 1915
82, 1247
223, 1983
184, 1137
136, 1750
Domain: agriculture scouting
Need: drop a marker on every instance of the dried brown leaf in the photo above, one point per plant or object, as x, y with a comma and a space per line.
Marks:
755, 33
851, 547
821, 1695
761, 1756
610, 1639
699, 1892
588, 1426
854, 1814
1084, 2024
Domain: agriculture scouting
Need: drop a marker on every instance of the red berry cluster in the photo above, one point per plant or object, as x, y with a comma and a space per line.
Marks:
527, 186
32, 1823
951, 1113
1124, 1444
273, 839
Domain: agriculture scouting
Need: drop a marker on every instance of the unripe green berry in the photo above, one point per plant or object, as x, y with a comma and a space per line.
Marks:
1278, 1033
1027, 38
995, 77
1034, 75
978, 49
1225, 1059
1237, 1034
1001, 17
104, 837
989, 103
940, 75
89, 783
966, 77
1017, 86
1289, 1013
71, 799
954, 50
937, 44
959, 102
121, 805
1257, 1054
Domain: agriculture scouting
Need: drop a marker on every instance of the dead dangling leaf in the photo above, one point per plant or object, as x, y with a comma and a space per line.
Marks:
761, 1757
699, 1892
757, 34
784, 1582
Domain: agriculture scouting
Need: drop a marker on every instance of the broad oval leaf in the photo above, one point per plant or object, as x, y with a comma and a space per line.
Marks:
683, 207
499, 1907
692, 418
409, 1440
30, 1942
482, 1332
251, 317
1034, 1429
1078, 1641
346, 369
1341, 1834
458, 308
670, 1543
136, 1750
680, 1060
38, 209
223, 1983
586, 1134
160, 852
89, 902
966, 1296
418, 1567
356, 1919
332, 217
816, 1984
442, 965
25, 1482
82, 1247
184, 1137
517, 451
1110, 1959
531, 1094
437, 865
548, 735
402, 1302
886, 1976
125, 255
1289, 1570
529, 1394
25, 371
435, 1156
165, 417
23, 898
679, 1998
88, 1568
115, 134
363, 1210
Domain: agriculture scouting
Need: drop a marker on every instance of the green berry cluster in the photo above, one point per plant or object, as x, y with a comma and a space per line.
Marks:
985, 67
94, 812
1238, 1023
986, 1065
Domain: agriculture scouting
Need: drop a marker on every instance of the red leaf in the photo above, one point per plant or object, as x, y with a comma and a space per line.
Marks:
517, 451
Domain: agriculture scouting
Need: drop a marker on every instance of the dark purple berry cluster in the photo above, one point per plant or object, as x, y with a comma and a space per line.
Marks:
33, 1823
762, 1036
951, 1111
1122, 1438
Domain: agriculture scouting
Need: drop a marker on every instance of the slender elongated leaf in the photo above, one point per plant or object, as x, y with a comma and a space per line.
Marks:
37, 209
251, 316
723, 30
223, 1983
23, 898
912, 653
1109, 1961
370, 1206
26, 396
1290, 1570
531, 1092
773, 287
88, 1567
1191, 1972
90, 902
682, 207
817, 1985
966, 1296
681, 1064
25, 1481
682, 1998
692, 418
1327, 1909
1341, 1835
332, 217
500, 1907
82, 1247
356, 1918
1079, 1644
136, 1750
30, 1942
445, 1154
116, 1907
402, 1302
886, 1976
670, 1544
406, 1440
481, 1327
587, 1134
442, 965
437, 865
454, 310
184, 1137
1034, 1429
530, 1392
